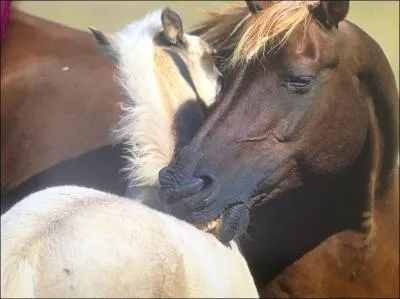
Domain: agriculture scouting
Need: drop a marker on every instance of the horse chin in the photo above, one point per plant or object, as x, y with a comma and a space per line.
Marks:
225, 219
230, 224
234, 222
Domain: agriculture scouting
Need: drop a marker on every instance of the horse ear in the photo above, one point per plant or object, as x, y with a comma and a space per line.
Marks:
257, 6
172, 24
105, 43
330, 13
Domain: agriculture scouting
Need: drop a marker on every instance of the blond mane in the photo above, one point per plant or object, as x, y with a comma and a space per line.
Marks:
144, 124
244, 36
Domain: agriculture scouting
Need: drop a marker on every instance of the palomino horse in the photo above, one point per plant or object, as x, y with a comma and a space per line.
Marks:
305, 135
59, 100
49, 239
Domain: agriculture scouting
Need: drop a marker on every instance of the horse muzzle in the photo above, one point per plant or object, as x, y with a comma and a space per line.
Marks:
195, 200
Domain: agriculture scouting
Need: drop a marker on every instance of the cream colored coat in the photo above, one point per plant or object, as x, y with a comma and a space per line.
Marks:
77, 242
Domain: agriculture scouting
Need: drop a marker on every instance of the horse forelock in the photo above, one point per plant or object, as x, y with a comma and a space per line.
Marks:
144, 119
271, 27
245, 35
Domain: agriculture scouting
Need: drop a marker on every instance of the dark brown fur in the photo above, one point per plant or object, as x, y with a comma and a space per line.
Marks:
318, 163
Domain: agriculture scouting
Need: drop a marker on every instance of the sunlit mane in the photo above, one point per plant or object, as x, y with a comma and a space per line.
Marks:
245, 35
144, 120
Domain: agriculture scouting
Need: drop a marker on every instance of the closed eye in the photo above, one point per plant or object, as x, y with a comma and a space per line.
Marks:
298, 83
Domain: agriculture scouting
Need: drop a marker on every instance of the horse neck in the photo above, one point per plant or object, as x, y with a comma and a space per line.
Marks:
378, 83
324, 207
286, 228
375, 174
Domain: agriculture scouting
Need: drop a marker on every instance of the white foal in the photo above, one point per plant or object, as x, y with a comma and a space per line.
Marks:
78, 242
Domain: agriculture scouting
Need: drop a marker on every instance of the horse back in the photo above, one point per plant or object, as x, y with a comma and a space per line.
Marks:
84, 242
55, 82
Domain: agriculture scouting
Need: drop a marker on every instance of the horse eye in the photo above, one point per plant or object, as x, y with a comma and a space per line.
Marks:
297, 83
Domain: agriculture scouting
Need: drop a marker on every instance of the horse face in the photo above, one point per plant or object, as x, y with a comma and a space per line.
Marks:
279, 118
185, 69
195, 54
190, 53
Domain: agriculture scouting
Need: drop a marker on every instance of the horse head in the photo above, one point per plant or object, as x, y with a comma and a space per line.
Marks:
170, 79
304, 132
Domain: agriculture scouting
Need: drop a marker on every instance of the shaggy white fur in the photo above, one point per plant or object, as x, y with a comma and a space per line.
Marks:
155, 92
77, 242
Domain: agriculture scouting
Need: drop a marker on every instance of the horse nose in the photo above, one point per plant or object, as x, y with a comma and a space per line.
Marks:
174, 187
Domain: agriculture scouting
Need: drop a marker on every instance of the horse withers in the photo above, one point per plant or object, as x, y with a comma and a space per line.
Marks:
74, 241
305, 136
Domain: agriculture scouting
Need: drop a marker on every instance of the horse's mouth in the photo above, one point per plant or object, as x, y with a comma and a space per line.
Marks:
198, 201
257, 199
232, 222
214, 224
229, 224
263, 192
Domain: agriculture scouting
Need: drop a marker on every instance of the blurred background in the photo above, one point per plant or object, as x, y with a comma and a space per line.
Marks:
379, 18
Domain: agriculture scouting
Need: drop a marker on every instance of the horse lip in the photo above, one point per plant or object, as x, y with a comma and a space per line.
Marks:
258, 199
235, 203
209, 193
264, 195
227, 208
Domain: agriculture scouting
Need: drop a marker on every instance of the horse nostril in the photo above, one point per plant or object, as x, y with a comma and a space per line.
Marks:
177, 183
207, 180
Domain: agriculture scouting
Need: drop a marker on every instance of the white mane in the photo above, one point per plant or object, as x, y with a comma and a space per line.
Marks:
144, 124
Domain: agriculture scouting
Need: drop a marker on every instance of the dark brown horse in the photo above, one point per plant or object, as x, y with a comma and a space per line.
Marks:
58, 101
305, 136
